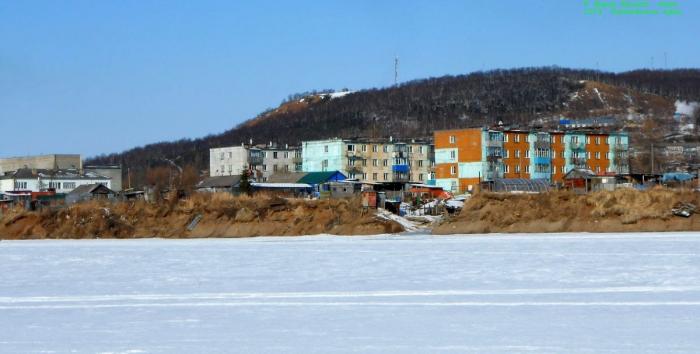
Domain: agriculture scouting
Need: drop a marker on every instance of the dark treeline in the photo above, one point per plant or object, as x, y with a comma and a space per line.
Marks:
412, 109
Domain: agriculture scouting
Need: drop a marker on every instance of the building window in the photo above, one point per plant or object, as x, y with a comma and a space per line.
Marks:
453, 154
374, 176
420, 163
375, 162
223, 169
420, 149
506, 169
364, 162
563, 169
527, 154
385, 148
588, 155
517, 153
351, 147
597, 169
324, 164
385, 162
286, 154
286, 168
453, 170
588, 140
452, 139
420, 176
505, 137
264, 167
386, 176
554, 154
68, 185
527, 168
517, 138
517, 168
222, 155
364, 148
607, 156
597, 155
597, 140
410, 148
325, 148
375, 148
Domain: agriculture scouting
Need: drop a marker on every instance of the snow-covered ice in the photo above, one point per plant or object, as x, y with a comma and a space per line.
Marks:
564, 293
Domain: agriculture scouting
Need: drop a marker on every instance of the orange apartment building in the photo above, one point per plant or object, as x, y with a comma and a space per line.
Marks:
466, 157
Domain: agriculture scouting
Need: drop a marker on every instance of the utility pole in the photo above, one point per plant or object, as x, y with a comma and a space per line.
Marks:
396, 70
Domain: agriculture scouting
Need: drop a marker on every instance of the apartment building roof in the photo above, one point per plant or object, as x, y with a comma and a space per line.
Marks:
28, 173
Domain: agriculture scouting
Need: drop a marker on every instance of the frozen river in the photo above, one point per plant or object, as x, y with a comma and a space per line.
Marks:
567, 293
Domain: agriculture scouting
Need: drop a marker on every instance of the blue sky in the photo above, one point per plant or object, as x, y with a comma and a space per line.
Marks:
95, 77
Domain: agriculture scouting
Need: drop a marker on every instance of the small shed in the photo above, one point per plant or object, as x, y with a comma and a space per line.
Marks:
96, 191
319, 180
343, 189
584, 180
219, 184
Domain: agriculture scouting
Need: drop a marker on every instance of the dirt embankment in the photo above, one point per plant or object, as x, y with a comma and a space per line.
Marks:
222, 216
624, 210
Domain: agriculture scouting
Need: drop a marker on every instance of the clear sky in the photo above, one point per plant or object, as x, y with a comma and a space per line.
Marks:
95, 77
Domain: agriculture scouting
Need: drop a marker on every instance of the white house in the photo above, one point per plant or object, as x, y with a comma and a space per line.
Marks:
35, 180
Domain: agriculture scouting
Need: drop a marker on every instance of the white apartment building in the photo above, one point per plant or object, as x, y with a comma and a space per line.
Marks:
62, 181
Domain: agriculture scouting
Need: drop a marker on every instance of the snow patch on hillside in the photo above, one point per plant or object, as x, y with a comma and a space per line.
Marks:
687, 108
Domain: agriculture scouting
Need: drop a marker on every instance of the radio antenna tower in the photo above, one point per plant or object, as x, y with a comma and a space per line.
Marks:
396, 70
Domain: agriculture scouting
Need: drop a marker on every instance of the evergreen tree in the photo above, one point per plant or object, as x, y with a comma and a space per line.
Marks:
244, 186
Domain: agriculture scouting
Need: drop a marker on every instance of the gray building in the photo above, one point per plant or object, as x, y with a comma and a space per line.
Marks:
46, 162
114, 172
280, 160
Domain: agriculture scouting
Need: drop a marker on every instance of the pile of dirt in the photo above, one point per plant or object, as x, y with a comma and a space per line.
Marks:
622, 210
219, 214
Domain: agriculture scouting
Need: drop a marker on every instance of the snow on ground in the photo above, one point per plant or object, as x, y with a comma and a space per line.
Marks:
565, 293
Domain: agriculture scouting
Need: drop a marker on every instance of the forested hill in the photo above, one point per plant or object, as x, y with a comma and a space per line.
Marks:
416, 108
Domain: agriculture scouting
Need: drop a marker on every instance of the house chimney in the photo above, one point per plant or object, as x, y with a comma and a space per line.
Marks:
391, 138
270, 144
251, 141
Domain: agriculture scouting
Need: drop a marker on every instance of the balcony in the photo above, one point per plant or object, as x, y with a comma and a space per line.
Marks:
400, 177
494, 158
255, 160
579, 161
540, 160
494, 143
355, 169
577, 146
400, 168
542, 144
620, 147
